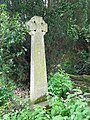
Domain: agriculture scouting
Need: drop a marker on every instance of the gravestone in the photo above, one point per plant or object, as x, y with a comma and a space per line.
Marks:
38, 83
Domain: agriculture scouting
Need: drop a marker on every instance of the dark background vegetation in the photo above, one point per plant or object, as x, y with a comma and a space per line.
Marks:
67, 47
67, 42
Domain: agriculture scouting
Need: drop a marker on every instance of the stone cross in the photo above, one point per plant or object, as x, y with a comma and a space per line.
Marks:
38, 83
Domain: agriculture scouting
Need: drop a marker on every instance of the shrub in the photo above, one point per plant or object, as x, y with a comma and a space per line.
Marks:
72, 108
12, 36
6, 89
59, 83
6, 93
39, 113
22, 114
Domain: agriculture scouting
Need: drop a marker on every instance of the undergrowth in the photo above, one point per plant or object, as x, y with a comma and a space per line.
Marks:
74, 106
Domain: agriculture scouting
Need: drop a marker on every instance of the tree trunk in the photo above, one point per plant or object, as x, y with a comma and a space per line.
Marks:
49, 3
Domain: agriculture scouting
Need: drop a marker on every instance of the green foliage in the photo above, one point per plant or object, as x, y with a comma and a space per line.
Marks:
59, 83
6, 89
68, 28
18, 114
72, 108
39, 113
26, 9
12, 36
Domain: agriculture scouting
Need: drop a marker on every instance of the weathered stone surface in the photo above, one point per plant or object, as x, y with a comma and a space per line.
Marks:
38, 83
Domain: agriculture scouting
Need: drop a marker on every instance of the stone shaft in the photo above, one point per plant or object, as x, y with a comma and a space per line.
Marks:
38, 82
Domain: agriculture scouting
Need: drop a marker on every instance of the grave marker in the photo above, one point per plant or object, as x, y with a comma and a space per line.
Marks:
38, 82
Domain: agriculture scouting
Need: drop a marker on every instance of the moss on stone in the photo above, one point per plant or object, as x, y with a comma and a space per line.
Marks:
41, 99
